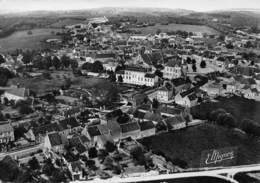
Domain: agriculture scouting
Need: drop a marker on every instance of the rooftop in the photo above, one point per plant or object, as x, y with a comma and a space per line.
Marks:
129, 127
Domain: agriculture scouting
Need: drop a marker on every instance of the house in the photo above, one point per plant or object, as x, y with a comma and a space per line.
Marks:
42, 131
115, 130
213, 89
137, 76
172, 69
15, 93
68, 126
110, 66
76, 170
176, 122
53, 141
77, 144
147, 129
92, 133
188, 98
131, 129
6, 133
181, 84
162, 94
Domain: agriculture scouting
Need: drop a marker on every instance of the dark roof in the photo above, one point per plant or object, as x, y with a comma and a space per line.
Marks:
129, 127
170, 110
69, 123
137, 69
105, 55
146, 125
148, 75
113, 114
188, 92
53, 127
139, 114
55, 139
93, 131
179, 81
84, 139
76, 142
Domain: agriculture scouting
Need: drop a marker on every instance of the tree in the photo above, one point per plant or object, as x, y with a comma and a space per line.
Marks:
34, 164
56, 62
74, 64
92, 153
155, 103
120, 79
48, 167
2, 60
27, 57
38, 62
124, 118
97, 67
188, 60
110, 147
112, 77
65, 60
138, 155
250, 127
158, 73
203, 64
25, 109
214, 114
47, 61
194, 68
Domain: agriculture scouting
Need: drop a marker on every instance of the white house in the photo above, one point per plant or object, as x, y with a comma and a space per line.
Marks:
16, 94
138, 76
171, 71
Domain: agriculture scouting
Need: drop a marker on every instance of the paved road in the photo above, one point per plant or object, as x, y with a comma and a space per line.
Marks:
168, 178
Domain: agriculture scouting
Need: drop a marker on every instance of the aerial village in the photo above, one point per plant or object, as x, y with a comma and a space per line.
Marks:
79, 110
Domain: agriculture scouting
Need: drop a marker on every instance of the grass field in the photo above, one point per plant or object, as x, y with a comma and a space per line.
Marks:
188, 144
175, 27
22, 40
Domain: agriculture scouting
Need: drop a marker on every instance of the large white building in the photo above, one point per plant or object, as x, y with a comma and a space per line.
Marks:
172, 72
137, 76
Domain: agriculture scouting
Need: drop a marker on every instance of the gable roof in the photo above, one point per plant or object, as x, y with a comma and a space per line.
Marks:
139, 114
179, 81
53, 127
175, 120
5, 127
68, 123
129, 127
94, 131
55, 139
20, 92
113, 114
146, 125
76, 142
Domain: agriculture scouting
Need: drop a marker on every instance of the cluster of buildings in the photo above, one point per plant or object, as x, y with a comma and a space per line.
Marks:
160, 78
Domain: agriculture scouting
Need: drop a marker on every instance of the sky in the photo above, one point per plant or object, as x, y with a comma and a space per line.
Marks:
197, 5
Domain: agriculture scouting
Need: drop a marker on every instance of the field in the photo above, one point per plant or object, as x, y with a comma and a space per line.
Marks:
175, 27
188, 144
22, 40
240, 108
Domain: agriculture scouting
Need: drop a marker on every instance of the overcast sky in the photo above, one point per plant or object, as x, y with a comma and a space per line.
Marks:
198, 5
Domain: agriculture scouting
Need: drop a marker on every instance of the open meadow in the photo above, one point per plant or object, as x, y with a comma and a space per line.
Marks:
188, 144
175, 27
23, 40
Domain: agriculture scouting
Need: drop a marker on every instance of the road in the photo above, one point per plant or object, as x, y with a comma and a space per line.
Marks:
213, 173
